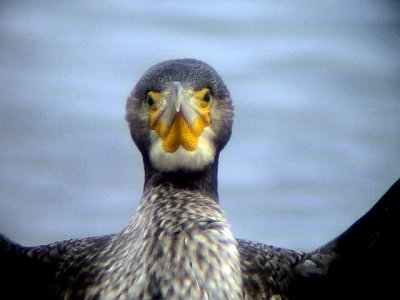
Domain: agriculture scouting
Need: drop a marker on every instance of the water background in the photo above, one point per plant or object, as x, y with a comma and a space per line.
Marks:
316, 89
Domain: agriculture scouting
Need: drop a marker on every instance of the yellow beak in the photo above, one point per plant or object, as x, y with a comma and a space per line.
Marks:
179, 117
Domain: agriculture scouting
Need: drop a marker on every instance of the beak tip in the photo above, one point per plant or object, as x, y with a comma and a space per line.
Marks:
178, 105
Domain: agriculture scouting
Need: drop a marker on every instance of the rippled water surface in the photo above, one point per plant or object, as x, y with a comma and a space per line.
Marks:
316, 88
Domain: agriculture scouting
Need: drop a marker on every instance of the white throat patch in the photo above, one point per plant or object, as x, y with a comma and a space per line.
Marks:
182, 159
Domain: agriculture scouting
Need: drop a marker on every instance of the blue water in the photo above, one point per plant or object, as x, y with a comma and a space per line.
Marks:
316, 89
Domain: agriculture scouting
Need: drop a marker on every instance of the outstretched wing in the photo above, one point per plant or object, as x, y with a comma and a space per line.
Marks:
37, 272
361, 263
22, 276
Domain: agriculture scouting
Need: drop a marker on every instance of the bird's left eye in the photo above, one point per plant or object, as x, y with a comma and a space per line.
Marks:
149, 100
207, 96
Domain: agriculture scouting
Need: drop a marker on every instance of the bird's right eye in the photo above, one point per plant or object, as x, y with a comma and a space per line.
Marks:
149, 100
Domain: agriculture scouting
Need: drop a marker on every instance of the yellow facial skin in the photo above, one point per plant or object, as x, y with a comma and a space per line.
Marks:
179, 116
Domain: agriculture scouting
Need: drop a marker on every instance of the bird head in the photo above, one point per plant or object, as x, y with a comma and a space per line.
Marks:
180, 115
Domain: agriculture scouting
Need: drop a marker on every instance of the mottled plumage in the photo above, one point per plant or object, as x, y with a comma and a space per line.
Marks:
178, 244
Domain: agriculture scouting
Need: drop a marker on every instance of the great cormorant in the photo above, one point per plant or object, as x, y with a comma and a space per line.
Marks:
178, 244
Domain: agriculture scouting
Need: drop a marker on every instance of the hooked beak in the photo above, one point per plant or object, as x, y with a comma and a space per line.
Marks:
178, 119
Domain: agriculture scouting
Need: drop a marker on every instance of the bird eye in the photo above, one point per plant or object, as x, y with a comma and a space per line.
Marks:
207, 96
150, 101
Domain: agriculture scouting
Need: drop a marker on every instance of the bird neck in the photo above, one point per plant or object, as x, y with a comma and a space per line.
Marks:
183, 244
204, 182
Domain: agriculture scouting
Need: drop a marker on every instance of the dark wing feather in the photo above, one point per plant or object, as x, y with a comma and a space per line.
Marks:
267, 270
23, 277
39, 272
361, 263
